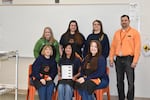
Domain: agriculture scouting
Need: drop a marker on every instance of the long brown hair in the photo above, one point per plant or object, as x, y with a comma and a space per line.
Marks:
92, 61
78, 36
51, 39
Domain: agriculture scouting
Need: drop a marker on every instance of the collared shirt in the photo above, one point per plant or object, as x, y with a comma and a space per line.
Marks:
126, 42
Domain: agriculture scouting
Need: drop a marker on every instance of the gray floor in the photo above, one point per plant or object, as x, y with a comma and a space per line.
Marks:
23, 97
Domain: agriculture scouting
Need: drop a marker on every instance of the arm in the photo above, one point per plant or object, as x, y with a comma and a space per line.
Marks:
36, 68
77, 75
37, 48
53, 71
101, 70
59, 73
63, 40
137, 43
78, 66
112, 52
106, 47
85, 49
56, 45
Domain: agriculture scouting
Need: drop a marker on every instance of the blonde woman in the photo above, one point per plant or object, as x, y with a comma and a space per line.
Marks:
47, 38
44, 70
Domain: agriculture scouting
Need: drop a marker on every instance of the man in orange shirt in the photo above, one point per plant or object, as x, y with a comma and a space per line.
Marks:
125, 47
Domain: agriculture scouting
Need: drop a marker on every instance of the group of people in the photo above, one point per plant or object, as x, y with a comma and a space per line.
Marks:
88, 57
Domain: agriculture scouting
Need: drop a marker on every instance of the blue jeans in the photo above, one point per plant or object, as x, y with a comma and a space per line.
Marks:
65, 92
45, 92
86, 96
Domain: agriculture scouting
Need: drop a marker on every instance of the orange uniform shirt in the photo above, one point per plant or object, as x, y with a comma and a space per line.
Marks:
126, 42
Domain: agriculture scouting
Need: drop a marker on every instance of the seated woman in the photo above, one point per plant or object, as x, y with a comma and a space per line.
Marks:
44, 70
65, 86
93, 72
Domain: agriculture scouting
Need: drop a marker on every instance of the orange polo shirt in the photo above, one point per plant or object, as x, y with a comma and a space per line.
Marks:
126, 42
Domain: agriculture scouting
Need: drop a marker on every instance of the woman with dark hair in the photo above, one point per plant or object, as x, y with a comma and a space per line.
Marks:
44, 70
93, 72
65, 86
98, 34
73, 36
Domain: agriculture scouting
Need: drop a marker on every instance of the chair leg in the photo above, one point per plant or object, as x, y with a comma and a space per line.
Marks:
27, 97
56, 95
76, 95
99, 95
108, 94
31, 93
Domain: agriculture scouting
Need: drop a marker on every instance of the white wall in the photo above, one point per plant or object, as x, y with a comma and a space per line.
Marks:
142, 74
66, 1
142, 71
33, 1
92, 1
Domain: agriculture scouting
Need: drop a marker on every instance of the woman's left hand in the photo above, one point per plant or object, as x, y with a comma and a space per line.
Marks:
48, 78
74, 78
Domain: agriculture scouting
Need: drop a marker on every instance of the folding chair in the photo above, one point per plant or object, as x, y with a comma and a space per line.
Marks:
31, 89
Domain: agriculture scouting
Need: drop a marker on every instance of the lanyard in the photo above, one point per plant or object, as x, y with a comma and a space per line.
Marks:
122, 38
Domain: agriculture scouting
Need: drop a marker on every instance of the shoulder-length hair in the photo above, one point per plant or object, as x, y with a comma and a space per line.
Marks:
78, 36
51, 39
45, 47
93, 60
64, 56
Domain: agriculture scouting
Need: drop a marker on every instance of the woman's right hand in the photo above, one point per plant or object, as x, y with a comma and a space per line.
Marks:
43, 81
80, 80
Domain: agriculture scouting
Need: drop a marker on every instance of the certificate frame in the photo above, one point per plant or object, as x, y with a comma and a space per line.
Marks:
66, 71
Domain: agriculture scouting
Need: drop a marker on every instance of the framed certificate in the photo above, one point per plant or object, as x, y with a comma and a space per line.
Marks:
66, 71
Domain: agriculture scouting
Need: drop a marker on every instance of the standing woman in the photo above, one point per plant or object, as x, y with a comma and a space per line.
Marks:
47, 38
65, 86
44, 70
73, 36
93, 72
99, 35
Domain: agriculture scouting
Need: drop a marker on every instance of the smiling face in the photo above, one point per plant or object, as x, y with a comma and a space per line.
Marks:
125, 22
68, 50
93, 48
47, 34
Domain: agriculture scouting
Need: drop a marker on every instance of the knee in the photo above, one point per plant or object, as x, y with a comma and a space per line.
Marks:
68, 88
60, 87
52, 86
103, 84
80, 92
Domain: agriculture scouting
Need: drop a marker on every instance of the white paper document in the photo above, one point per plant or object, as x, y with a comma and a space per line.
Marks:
67, 71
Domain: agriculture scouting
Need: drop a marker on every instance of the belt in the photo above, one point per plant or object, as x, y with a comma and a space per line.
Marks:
124, 56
